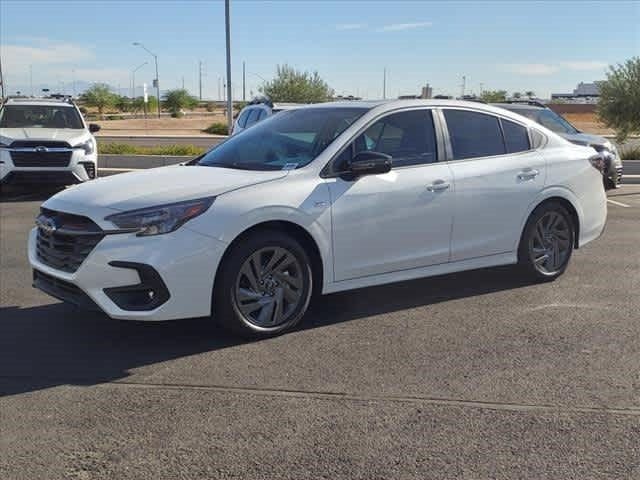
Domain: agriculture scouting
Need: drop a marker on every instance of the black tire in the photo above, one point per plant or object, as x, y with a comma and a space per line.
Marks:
227, 307
530, 247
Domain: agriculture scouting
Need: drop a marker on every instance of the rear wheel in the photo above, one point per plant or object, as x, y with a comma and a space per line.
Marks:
264, 285
547, 242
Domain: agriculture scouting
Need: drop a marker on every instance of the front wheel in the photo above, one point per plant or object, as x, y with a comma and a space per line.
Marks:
547, 242
264, 285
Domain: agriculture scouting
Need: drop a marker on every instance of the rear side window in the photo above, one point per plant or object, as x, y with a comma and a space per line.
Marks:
516, 137
242, 120
262, 115
474, 134
409, 137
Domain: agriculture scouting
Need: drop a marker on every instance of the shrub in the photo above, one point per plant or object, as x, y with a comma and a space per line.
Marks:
177, 114
619, 102
631, 152
211, 107
217, 128
169, 150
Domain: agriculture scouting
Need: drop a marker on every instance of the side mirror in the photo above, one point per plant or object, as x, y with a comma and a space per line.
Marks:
94, 127
370, 163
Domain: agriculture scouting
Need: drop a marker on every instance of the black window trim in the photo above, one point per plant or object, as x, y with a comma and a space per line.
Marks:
327, 171
447, 137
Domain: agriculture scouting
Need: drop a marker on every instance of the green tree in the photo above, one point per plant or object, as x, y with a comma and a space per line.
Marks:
619, 103
291, 85
124, 104
516, 95
100, 97
179, 99
493, 96
530, 94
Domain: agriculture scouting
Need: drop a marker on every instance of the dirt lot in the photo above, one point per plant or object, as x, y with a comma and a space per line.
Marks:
588, 123
191, 125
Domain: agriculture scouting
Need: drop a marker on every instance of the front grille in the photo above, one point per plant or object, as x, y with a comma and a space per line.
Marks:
39, 143
31, 177
32, 158
68, 240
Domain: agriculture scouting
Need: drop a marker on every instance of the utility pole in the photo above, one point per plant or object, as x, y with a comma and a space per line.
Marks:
156, 81
31, 79
183, 82
219, 90
200, 79
481, 88
384, 84
464, 84
1, 82
73, 73
229, 99
244, 91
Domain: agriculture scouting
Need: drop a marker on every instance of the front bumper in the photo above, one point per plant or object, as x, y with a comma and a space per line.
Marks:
81, 168
113, 275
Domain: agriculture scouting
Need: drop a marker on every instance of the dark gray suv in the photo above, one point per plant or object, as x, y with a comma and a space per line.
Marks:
546, 117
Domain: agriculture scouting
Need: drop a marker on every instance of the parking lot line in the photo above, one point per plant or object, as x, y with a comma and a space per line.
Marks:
620, 204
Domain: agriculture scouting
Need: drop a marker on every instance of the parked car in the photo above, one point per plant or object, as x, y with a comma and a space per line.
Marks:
257, 110
546, 117
45, 141
321, 199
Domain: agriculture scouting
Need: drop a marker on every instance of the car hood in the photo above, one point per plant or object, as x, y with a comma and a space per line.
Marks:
72, 136
157, 186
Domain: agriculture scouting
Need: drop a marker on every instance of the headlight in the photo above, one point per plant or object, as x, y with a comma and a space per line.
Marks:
89, 146
160, 219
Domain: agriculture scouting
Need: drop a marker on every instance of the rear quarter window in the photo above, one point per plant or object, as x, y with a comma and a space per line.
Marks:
516, 137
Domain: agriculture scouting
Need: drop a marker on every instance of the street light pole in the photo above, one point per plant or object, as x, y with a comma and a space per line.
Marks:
157, 80
229, 99
133, 79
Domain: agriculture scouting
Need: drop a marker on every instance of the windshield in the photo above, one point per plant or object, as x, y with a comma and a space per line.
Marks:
548, 119
40, 116
289, 140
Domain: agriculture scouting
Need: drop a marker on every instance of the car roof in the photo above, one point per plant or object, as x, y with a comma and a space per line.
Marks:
38, 102
518, 106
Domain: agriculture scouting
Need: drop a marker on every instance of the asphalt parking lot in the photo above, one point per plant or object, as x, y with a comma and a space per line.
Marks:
476, 375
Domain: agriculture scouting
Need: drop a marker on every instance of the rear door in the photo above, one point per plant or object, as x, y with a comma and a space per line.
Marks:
497, 174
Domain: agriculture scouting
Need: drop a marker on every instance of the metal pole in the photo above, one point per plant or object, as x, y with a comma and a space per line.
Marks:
384, 84
244, 91
155, 57
200, 78
229, 99
1, 82
31, 79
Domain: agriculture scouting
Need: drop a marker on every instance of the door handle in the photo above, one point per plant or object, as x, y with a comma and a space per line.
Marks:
528, 174
438, 186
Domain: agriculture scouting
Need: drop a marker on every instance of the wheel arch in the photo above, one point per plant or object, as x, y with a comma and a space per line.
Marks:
292, 229
567, 204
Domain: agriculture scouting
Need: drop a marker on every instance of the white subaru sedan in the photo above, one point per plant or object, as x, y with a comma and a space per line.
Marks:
317, 200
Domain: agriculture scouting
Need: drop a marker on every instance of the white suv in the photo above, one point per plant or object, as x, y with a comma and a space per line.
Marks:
321, 199
45, 141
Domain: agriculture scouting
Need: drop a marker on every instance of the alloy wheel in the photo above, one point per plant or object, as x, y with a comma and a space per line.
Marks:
269, 287
550, 244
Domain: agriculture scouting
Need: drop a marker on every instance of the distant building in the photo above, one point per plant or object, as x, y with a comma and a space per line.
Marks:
426, 93
583, 93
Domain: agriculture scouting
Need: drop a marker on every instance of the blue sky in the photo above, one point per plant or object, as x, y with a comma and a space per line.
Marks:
541, 46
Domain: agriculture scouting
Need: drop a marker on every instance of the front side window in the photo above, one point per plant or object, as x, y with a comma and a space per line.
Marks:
408, 137
474, 134
516, 137
253, 117
40, 116
242, 119
291, 139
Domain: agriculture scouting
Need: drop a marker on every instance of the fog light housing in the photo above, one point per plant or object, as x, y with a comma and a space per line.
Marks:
147, 295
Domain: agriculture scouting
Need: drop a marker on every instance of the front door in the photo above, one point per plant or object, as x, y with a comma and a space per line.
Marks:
398, 220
